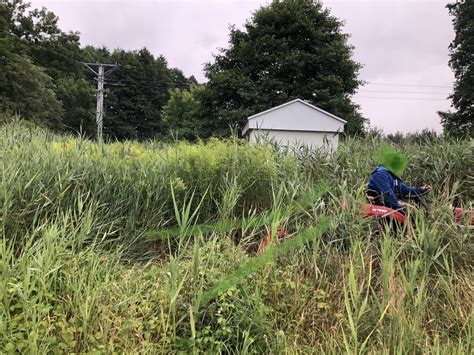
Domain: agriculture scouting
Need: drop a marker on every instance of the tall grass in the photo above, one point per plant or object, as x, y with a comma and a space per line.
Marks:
147, 247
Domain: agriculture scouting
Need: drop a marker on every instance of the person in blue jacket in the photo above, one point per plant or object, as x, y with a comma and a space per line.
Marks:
386, 187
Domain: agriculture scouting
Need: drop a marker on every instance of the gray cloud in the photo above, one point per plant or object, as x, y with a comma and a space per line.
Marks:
398, 42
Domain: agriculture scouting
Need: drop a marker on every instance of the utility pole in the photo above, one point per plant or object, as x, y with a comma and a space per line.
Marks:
101, 74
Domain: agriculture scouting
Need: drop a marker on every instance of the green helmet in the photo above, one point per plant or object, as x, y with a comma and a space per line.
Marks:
392, 160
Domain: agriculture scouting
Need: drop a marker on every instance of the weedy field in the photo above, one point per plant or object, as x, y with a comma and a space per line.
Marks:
152, 248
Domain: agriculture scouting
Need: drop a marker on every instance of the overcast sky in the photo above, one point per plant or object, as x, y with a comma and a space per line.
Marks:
399, 42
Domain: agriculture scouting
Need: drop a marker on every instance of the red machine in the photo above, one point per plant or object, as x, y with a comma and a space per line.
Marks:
460, 216
281, 233
374, 211
369, 210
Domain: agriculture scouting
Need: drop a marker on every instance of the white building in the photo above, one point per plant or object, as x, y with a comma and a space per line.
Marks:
293, 124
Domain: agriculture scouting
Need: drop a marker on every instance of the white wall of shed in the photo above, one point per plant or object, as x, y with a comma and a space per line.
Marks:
296, 116
296, 138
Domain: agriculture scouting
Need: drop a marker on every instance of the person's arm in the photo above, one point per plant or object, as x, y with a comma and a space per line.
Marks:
384, 181
410, 191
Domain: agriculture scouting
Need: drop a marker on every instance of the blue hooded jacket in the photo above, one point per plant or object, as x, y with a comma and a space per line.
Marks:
390, 187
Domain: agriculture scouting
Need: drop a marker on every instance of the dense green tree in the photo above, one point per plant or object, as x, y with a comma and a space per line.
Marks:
41, 68
179, 79
461, 122
289, 49
138, 90
25, 88
40, 38
78, 100
181, 114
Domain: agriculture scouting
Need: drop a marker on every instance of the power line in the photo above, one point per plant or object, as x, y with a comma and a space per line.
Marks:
406, 92
126, 85
43, 47
416, 85
399, 98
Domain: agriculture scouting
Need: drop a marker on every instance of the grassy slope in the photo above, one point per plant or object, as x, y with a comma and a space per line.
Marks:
77, 273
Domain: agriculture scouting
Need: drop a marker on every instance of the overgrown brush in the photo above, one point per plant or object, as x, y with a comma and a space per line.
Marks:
80, 274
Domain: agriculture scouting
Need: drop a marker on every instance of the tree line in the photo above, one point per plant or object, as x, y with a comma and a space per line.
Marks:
460, 122
42, 78
288, 49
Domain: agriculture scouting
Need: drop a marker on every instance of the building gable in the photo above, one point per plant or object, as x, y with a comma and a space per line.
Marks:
295, 115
